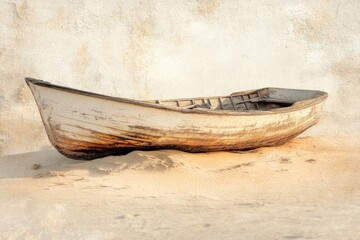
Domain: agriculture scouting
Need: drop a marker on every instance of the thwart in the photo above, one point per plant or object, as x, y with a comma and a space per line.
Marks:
85, 125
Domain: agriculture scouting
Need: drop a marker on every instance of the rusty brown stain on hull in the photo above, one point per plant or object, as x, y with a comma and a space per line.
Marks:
78, 149
84, 152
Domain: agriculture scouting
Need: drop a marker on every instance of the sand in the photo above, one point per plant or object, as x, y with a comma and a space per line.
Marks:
308, 188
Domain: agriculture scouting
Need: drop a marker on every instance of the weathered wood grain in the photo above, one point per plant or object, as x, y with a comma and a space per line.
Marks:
83, 125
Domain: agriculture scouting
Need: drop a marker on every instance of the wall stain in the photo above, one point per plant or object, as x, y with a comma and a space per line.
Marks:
118, 13
178, 39
81, 61
141, 33
24, 95
133, 57
108, 47
348, 67
2, 52
60, 17
347, 72
319, 26
23, 19
207, 8
21, 11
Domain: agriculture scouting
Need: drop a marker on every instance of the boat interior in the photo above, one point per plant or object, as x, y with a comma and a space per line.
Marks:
262, 99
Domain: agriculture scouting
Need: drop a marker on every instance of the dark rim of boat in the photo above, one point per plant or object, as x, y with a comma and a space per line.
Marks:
295, 107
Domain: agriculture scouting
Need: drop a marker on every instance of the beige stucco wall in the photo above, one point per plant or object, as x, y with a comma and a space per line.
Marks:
162, 49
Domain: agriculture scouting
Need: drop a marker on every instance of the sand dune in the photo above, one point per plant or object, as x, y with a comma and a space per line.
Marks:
307, 188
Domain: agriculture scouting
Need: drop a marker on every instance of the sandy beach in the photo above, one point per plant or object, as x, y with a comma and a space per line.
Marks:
308, 188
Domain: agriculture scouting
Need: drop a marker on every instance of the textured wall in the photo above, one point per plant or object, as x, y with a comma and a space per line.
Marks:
161, 49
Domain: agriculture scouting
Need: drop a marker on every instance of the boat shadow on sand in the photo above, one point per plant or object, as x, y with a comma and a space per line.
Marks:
50, 163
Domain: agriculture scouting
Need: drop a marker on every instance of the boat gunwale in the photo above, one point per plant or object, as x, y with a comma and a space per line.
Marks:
298, 105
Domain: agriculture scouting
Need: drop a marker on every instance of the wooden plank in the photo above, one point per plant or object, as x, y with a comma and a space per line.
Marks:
232, 102
250, 102
257, 105
244, 102
221, 105
258, 93
276, 100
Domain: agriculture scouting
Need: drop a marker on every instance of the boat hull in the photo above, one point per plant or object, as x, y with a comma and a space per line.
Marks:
85, 126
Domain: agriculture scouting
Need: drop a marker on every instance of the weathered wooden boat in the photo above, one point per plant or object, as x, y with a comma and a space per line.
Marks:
84, 125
